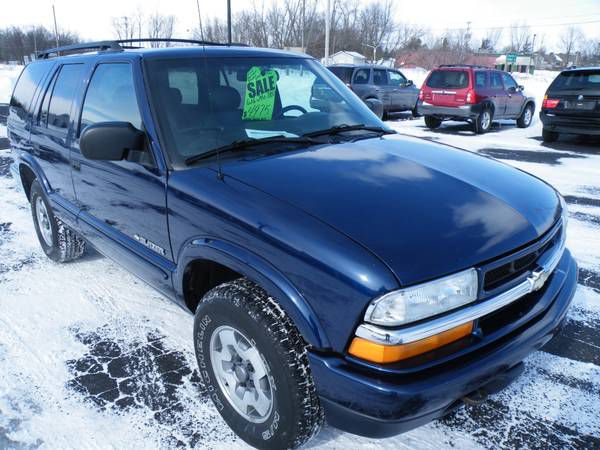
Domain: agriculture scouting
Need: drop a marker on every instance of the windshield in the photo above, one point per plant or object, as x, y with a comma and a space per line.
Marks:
454, 79
206, 103
580, 79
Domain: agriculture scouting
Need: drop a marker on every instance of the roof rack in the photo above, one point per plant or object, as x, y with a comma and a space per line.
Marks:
473, 66
117, 45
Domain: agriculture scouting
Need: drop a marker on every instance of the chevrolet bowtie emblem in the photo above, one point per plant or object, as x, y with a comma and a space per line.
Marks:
537, 279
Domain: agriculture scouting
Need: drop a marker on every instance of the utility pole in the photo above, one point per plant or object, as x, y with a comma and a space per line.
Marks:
374, 47
229, 22
327, 30
303, 23
200, 20
55, 26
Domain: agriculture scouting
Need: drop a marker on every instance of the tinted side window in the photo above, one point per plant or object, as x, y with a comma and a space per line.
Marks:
63, 93
481, 79
508, 81
379, 77
496, 80
111, 97
31, 77
361, 76
343, 73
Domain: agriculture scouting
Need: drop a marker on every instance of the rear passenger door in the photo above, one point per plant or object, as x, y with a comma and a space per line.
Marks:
124, 201
52, 130
380, 81
498, 94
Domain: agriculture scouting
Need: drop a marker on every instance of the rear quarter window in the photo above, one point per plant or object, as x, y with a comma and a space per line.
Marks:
343, 73
453, 79
579, 80
30, 79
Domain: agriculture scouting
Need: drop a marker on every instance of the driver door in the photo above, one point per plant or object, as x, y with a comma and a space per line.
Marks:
123, 203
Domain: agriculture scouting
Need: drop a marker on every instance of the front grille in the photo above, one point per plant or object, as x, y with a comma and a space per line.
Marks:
513, 269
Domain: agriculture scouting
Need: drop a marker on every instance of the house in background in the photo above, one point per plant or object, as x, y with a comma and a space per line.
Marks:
345, 57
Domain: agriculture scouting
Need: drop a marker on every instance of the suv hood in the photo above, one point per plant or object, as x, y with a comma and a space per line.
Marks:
424, 209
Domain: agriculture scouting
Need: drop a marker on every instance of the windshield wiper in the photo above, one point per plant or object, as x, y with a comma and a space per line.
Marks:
343, 127
251, 142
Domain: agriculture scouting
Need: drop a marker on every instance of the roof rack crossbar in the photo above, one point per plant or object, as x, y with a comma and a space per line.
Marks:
475, 66
116, 45
99, 45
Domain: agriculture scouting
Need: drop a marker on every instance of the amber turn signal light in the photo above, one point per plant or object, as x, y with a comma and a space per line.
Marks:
378, 353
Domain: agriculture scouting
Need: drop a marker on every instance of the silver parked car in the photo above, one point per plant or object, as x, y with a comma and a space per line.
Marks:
372, 82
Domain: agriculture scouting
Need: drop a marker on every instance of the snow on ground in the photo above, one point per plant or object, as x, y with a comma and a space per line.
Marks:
90, 357
8, 77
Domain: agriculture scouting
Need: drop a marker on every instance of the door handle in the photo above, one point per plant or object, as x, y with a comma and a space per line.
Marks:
76, 165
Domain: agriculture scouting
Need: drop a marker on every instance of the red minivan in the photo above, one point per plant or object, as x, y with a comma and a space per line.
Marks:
475, 94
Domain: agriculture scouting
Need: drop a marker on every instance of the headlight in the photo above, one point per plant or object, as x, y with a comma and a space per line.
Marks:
424, 300
564, 212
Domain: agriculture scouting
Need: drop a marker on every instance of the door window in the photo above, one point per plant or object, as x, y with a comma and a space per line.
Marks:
361, 76
65, 88
509, 82
111, 97
379, 77
496, 80
481, 80
396, 78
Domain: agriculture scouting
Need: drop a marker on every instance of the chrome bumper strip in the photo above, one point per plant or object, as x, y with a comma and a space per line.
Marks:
534, 281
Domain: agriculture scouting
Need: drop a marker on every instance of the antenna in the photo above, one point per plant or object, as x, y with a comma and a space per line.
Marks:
200, 20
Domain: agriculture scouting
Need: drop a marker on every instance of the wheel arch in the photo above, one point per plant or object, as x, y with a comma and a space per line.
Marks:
208, 254
527, 102
29, 171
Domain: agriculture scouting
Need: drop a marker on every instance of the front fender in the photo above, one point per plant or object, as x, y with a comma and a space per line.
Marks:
260, 271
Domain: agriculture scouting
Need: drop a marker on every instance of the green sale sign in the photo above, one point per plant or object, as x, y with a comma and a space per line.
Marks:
259, 99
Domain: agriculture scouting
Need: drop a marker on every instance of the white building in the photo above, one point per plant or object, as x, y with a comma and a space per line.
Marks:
345, 57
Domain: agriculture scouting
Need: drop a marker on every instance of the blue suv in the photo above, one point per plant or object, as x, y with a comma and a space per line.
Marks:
336, 269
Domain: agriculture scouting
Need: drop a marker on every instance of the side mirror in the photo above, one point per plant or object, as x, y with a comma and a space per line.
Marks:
521, 88
375, 105
110, 141
408, 83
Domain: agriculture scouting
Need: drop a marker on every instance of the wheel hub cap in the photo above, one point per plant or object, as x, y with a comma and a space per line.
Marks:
43, 220
242, 374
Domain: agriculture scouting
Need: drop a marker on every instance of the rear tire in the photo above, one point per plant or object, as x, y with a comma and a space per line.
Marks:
241, 332
526, 117
432, 122
483, 123
59, 242
549, 136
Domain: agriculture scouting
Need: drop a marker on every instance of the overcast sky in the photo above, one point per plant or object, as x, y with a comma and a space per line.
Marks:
92, 19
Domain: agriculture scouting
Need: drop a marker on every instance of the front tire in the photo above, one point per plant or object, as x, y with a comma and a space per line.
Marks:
549, 136
59, 242
526, 117
254, 364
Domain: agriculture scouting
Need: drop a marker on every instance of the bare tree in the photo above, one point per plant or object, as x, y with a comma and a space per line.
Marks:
520, 38
160, 27
126, 27
570, 40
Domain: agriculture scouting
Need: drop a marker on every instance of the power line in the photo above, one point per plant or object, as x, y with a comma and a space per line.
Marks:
525, 25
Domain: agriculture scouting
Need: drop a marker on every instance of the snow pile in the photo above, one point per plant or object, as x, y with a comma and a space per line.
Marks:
8, 77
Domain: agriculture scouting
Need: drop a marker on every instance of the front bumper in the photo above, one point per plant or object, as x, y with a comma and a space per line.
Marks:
448, 112
570, 124
381, 403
